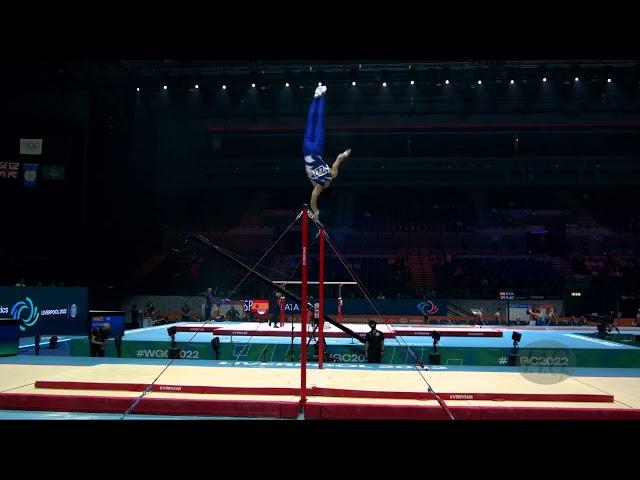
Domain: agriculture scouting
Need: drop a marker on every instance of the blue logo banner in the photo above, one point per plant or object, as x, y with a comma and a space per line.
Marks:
46, 310
411, 306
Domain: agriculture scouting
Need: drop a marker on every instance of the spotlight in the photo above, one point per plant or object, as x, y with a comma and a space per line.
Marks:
576, 79
354, 74
137, 89
253, 85
384, 76
196, 86
446, 82
164, 87
224, 87
608, 80
544, 79
412, 74
479, 82
513, 357
286, 84
512, 82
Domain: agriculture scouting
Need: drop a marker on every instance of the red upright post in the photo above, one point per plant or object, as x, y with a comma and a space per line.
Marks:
283, 304
303, 307
340, 303
321, 300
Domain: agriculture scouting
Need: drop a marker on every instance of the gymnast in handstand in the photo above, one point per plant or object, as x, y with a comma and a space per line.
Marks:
318, 171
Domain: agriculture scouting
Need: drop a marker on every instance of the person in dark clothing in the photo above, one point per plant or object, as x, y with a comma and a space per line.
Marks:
274, 310
208, 304
135, 315
149, 310
186, 313
233, 314
97, 342
612, 322
374, 344
118, 343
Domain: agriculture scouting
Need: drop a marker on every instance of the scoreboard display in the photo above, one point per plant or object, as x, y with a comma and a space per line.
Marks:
505, 295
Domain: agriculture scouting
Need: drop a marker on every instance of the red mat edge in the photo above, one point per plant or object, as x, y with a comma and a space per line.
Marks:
326, 392
156, 406
344, 411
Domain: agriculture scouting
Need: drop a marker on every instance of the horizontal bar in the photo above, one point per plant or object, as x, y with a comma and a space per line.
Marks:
296, 282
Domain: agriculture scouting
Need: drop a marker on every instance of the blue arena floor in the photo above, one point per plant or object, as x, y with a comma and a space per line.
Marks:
570, 338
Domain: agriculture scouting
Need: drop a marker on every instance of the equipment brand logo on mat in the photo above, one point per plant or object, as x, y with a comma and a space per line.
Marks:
428, 308
25, 311
547, 362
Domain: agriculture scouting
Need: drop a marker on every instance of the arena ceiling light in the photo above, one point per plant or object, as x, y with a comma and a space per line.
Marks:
224, 87
286, 84
543, 71
384, 76
354, 76
446, 82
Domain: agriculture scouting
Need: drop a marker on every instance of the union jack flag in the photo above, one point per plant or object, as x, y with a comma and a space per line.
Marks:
9, 170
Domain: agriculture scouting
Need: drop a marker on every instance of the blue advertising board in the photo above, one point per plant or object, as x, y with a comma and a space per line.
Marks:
46, 310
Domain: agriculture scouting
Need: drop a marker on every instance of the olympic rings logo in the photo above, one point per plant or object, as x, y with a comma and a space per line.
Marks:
32, 147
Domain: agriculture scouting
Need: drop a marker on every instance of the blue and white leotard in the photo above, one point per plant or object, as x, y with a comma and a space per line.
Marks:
317, 170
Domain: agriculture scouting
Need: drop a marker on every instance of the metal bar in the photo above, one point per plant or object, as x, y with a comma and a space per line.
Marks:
321, 297
303, 311
284, 282
204, 241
